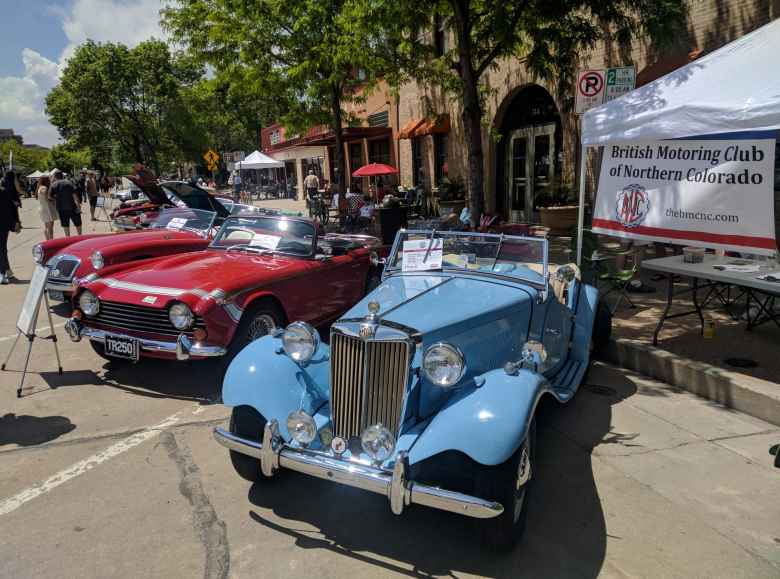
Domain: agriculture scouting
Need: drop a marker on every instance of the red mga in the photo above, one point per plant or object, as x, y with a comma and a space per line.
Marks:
258, 273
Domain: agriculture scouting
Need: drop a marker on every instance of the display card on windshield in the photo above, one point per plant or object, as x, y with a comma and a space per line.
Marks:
177, 223
422, 254
265, 241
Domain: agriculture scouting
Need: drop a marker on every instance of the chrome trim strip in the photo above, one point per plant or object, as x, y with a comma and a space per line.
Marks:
273, 454
181, 347
142, 288
58, 286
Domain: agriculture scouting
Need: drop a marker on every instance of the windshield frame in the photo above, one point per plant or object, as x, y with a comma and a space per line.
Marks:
312, 253
499, 237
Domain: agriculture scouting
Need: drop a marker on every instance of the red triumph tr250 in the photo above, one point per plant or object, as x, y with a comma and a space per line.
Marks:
259, 272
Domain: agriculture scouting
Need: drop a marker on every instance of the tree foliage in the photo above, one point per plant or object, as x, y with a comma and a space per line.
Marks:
29, 159
548, 36
110, 95
297, 57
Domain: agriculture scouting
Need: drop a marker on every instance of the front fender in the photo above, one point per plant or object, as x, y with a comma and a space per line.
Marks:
279, 385
487, 423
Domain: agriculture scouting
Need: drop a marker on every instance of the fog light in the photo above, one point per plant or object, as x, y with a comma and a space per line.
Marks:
377, 442
301, 427
199, 334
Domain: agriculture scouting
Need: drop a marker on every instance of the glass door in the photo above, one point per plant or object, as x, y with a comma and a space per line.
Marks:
531, 167
518, 170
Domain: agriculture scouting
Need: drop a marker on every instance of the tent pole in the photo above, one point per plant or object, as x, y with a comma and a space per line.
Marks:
581, 210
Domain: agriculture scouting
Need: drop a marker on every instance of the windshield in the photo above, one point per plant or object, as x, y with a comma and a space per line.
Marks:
520, 257
261, 234
184, 218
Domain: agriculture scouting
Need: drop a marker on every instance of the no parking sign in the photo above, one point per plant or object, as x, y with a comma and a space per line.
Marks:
589, 90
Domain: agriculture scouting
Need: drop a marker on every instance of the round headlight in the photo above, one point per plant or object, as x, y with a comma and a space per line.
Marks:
377, 442
443, 365
97, 260
300, 341
37, 252
301, 427
181, 316
89, 303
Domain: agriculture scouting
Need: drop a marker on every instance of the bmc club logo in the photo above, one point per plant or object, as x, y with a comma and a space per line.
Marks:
633, 204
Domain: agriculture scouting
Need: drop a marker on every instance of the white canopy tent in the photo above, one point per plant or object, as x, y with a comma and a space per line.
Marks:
736, 88
258, 160
35, 174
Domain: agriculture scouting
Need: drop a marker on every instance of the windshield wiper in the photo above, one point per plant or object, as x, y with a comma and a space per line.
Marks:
430, 245
498, 252
247, 247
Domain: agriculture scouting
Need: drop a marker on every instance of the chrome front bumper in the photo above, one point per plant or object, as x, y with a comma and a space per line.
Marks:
273, 454
183, 347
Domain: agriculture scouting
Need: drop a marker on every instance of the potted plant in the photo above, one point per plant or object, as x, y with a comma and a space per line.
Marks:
558, 207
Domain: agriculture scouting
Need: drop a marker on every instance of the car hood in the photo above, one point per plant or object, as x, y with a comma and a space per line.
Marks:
86, 247
151, 189
442, 304
199, 273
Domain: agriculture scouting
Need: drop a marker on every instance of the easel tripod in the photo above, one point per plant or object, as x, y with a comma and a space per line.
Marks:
31, 338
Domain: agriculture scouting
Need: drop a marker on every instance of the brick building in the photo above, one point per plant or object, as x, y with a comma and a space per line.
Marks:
538, 136
368, 138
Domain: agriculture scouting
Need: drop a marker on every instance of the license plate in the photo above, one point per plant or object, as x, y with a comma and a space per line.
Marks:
121, 347
57, 296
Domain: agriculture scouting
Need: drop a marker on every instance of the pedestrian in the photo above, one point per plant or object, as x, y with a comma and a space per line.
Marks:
10, 189
47, 207
81, 186
92, 194
105, 185
68, 203
311, 185
236, 185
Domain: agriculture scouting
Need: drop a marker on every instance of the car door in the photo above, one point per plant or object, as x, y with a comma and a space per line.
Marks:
338, 282
556, 333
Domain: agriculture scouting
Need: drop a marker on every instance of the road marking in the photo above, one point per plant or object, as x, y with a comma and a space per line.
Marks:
11, 504
37, 331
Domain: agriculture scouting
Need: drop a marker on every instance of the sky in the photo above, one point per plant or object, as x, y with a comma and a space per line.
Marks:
39, 36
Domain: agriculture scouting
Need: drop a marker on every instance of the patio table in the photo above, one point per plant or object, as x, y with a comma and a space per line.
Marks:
718, 283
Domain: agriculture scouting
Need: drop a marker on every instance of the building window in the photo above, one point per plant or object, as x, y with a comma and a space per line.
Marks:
276, 137
360, 74
379, 151
355, 156
440, 35
440, 156
379, 119
418, 176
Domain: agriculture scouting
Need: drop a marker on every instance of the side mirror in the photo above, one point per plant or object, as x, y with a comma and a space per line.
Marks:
376, 260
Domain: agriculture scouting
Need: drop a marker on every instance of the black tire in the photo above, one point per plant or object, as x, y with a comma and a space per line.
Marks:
602, 328
500, 483
101, 351
248, 329
248, 423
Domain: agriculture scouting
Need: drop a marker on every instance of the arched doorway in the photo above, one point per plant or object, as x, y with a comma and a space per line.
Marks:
528, 153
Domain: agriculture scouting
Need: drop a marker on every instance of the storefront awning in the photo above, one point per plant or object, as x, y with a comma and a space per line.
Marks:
438, 125
408, 130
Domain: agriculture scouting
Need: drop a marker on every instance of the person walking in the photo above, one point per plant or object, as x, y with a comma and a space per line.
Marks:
47, 207
92, 194
9, 220
68, 203
311, 185
81, 186
237, 185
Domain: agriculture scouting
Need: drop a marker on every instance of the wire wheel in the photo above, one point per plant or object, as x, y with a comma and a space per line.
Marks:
261, 325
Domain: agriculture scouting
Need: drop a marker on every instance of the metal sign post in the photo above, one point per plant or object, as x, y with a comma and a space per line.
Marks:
28, 318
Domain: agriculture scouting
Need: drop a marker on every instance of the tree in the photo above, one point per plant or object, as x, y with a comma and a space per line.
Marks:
70, 159
546, 35
24, 157
296, 56
111, 94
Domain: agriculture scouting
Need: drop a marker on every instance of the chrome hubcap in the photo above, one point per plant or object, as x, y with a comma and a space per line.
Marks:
261, 325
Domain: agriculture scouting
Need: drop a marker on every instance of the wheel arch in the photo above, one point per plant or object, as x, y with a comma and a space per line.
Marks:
259, 298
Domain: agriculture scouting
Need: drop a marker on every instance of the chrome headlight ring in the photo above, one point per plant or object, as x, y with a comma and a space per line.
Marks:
300, 342
37, 253
181, 316
89, 303
443, 364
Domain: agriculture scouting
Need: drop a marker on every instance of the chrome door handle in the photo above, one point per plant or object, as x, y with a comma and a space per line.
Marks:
553, 331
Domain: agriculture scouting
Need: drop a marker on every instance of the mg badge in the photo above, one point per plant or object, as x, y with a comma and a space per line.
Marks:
367, 330
339, 445
633, 205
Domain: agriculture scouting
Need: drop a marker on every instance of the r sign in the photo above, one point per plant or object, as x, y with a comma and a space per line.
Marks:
590, 90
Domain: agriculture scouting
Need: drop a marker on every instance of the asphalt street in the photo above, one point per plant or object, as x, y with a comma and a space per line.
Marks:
112, 471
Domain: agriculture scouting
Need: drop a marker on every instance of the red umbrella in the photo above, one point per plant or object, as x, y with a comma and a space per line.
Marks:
374, 170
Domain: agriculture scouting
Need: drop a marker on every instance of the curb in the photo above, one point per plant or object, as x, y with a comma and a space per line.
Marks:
753, 396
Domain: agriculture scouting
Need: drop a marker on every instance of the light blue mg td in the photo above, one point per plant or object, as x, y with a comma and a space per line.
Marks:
427, 391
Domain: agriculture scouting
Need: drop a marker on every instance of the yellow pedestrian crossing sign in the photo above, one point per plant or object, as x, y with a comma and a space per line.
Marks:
211, 158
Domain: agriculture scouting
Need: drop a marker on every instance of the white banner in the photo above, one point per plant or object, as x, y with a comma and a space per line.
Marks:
705, 193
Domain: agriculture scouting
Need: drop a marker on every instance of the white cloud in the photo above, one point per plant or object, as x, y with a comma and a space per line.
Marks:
22, 98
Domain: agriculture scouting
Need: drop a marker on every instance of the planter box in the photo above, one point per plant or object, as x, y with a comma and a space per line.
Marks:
560, 220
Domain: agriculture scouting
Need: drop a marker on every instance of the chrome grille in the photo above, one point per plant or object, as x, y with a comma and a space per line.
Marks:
119, 316
367, 383
64, 266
